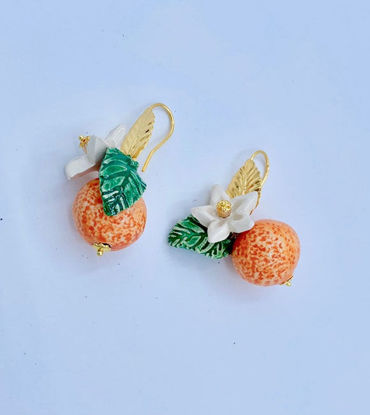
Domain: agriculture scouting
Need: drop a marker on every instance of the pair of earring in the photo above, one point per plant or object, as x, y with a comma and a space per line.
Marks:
110, 213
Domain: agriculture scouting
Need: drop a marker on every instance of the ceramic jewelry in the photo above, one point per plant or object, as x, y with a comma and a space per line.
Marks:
264, 252
109, 211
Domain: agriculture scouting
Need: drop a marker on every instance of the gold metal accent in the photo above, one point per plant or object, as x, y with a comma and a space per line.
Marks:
223, 208
139, 135
84, 139
267, 164
288, 283
248, 178
101, 248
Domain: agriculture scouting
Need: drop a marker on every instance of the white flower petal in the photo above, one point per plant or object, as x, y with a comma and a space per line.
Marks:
245, 204
115, 137
205, 214
218, 230
217, 194
245, 223
78, 167
95, 149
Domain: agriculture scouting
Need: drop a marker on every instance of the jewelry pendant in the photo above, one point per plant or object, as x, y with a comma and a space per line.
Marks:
109, 211
265, 252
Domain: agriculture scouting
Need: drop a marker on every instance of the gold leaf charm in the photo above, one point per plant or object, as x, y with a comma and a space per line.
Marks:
139, 135
248, 178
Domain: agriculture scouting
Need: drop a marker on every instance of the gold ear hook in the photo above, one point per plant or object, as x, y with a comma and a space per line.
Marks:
159, 145
267, 164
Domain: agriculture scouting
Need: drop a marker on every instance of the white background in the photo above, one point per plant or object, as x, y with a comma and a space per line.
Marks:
153, 329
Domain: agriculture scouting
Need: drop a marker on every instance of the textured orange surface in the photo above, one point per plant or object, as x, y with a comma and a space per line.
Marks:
267, 254
94, 225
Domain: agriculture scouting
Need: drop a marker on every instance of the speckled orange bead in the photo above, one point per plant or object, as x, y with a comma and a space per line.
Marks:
267, 254
95, 226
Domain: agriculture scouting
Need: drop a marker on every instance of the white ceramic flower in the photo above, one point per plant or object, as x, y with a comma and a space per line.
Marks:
225, 215
94, 148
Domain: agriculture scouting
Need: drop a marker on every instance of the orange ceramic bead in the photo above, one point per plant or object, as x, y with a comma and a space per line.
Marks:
95, 226
267, 254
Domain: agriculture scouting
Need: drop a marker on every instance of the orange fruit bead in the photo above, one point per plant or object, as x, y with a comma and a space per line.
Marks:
95, 226
267, 254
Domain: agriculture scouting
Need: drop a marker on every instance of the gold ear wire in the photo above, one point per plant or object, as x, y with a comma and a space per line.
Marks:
267, 164
159, 145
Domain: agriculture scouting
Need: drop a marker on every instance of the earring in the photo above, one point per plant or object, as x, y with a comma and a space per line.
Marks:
264, 253
108, 211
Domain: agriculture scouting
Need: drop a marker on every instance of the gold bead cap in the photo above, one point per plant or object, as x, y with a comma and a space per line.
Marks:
223, 208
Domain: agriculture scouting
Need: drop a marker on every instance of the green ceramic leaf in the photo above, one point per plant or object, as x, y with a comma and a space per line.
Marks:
120, 184
190, 234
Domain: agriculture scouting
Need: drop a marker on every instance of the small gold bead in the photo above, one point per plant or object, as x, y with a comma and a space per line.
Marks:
101, 248
223, 208
84, 139
288, 283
